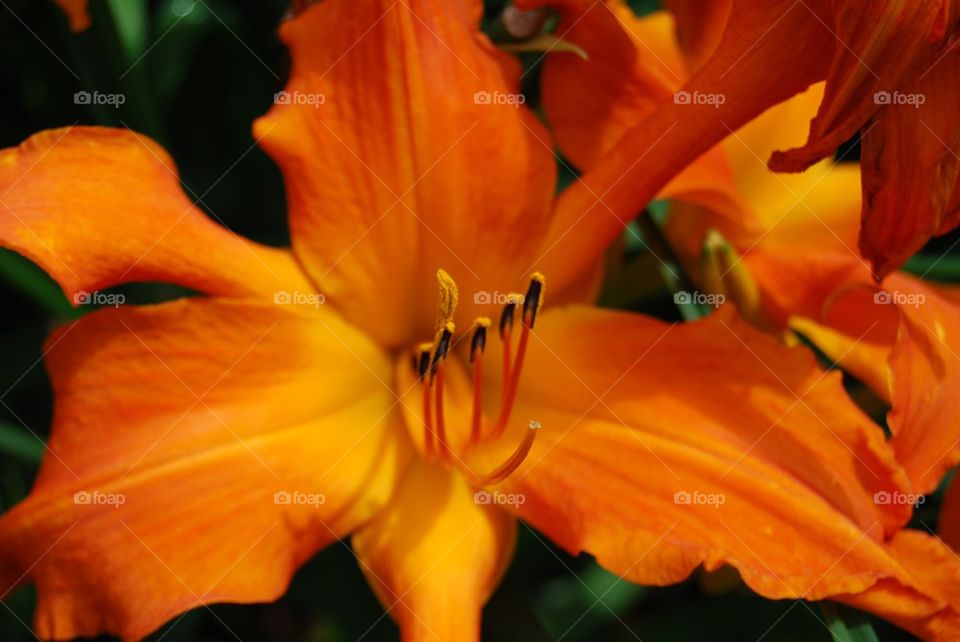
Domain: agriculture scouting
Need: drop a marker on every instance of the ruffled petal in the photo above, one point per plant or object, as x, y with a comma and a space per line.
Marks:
96, 207
201, 451
435, 555
405, 147
708, 444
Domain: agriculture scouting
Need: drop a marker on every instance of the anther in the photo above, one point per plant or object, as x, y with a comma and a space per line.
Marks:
533, 300
479, 340
423, 363
506, 318
449, 297
443, 345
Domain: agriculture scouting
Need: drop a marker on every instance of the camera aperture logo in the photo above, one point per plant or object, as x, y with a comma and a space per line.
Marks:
299, 98
497, 298
297, 498
699, 298
896, 498
299, 298
96, 498
699, 98
884, 297
98, 298
98, 98
897, 98
496, 498
498, 98
696, 498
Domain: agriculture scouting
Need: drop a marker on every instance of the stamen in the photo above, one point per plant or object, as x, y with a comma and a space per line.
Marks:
506, 328
436, 370
477, 345
423, 367
531, 305
507, 468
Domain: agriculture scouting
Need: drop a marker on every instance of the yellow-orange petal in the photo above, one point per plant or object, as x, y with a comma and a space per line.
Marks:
700, 27
201, 451
434, 556
911, 166
707, 444
76, 11
405, 147
97, 207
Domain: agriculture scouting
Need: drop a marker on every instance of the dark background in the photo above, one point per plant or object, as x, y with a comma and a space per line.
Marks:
205, 71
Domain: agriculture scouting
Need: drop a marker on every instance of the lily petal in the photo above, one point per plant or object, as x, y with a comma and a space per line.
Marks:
435, 555
63, 207
948, 524
911, 167
437, 161
201, 451
771, 470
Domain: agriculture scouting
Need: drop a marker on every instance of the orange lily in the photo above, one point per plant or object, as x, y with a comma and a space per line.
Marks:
889, 68
798, 233
203, 449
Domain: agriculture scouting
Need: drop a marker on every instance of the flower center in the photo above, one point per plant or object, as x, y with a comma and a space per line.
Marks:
430, 364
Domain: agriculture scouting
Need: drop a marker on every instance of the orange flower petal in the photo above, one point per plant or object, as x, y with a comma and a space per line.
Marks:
911, 167
97, 207
591, 103
594, 210
932, 614
700, 27
404, 148
76, 11
435, 555
875, 46
770, 469
201, 451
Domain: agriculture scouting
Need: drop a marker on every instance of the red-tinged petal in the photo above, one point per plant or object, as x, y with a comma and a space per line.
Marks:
710, 444
948, 524
594, 210
700, 27
201, 451
76, 11
419, 156
97, 207
911, 167
876, 46
933, 612
434, 556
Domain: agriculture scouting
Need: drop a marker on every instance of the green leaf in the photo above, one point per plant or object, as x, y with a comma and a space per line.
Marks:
846, 624
935, 268
36, 284
20, 443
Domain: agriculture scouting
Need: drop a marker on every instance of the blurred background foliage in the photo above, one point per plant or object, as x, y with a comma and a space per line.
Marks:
195, 75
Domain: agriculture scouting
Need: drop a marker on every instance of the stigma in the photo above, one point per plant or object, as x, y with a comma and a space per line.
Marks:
429, 363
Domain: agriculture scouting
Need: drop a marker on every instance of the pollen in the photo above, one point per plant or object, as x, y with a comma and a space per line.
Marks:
448, 299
